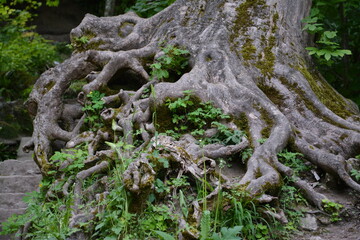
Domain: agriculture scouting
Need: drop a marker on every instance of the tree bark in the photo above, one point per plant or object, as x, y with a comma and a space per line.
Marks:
246, 56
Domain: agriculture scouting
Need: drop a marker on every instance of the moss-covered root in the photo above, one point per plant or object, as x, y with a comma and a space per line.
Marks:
261, 175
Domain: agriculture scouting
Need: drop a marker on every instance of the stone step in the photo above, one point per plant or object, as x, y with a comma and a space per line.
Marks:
25, 158
12, 200
6, 213
19, 184
16, 167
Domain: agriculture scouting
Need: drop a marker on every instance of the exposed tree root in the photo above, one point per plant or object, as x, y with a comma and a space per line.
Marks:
268, 95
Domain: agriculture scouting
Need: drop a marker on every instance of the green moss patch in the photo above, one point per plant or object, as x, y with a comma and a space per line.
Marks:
326, 94
248, 50
266, 131
266, 60
272, 93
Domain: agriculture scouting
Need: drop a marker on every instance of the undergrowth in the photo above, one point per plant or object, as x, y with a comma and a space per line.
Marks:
231, 215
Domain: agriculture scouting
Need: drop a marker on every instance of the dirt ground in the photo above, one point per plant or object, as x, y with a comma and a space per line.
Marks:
346, 229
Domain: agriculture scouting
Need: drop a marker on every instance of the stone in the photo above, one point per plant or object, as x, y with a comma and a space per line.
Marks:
308, 223
18, 167
17, 183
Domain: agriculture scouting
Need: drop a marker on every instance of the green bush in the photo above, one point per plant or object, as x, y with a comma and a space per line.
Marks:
148, 8
24, 54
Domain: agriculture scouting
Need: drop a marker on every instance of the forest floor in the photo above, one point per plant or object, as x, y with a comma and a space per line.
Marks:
346, 229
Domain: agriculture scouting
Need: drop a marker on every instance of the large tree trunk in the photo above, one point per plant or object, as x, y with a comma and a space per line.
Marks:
246, 56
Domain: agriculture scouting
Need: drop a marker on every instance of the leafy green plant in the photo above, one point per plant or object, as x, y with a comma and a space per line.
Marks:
148, 8
228, 233
93, 109
24, 54
174, 61
246, 154
7, 151
195, 118
164, 235
293, 160
79, 43
77, 156
48, 218
333, 209
326, 47
205, 225
225, 135
157, 217
356, 174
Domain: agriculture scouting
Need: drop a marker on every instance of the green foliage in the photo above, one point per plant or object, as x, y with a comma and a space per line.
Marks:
290, 200
246, 154
327, 47
336, 27
93, 109
293, 160
228, 234
76, 156
7, 151
333, 209
205, 225
164, 235
225, 135
157, 217
191, 116
148, 8
24, 54
356, 174
50, 220
79, 43
172, 62
116, 218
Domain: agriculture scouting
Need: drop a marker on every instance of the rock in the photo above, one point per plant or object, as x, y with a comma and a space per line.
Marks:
17, 177
325, 220
316, 238
308, 223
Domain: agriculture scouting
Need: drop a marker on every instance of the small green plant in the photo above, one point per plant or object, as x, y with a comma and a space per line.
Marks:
225, 135
7, 151
157, 217
326, 47
262, 232
195, 118
164, 235
228, 233
77, 155
205, 225
246, 154
356, 174
174, 61
333, 209
93, 109
293, 160
148, 8
48, 220
79, 43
